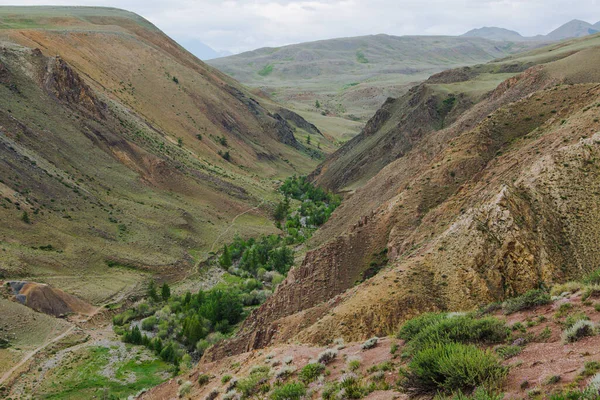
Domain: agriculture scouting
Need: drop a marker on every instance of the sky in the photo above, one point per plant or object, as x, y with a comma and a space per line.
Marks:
233, 26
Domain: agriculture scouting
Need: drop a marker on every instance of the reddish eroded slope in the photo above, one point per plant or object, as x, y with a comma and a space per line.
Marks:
502, 201
542, 361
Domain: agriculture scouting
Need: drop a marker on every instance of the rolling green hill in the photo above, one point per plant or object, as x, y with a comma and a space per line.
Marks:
352, 77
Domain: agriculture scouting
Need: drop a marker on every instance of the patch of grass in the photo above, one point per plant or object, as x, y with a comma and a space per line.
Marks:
531, 299
592, 278
508, 351
289, 391
311, 372
266, 70
450, 367
82, 378
361, 58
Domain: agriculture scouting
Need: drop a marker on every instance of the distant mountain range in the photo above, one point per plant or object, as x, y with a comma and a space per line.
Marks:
572, 29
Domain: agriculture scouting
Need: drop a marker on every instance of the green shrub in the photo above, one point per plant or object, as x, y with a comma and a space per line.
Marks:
203, 379
449, 367
508, 351
593, 278
579, 330
574, 318
413, 327
311, 372
352, 387
225, 379
149, 323
529, 300
460, 329
289, 391
185, 388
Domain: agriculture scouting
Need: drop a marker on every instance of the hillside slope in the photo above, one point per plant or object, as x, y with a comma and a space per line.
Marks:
500, 201
352, 77
122, 151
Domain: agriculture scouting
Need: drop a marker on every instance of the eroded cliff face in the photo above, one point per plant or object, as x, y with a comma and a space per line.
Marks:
502, 201
66, 85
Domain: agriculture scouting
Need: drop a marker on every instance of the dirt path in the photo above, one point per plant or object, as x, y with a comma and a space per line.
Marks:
212, 249
32, 353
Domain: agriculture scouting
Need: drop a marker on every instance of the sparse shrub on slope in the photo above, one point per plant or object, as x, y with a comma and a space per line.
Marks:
460, 329
311, 372
450, 367
412, 327
371, 343
579, 330
290, 391
531, 299
327, 356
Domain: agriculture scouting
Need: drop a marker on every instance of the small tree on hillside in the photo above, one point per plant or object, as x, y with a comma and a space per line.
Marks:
25, 217
225, 259
152, 291
165, 292
317, 104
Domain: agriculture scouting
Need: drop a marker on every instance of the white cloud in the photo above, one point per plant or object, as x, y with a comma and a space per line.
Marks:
239, 25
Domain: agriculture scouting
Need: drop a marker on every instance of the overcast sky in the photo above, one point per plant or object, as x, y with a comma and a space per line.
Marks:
240, 25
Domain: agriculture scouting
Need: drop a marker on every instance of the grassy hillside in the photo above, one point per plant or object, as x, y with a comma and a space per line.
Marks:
121, 151
352, 77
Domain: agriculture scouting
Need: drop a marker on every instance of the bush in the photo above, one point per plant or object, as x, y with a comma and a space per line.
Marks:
529, 300
352, 387
212, 395
311, 372
413, 327
203, 379
327, 356
185, 388
568, 287
461, 329
149, 323
579, 330
225, 379
449, 367
371, 343
593, 278
290, 391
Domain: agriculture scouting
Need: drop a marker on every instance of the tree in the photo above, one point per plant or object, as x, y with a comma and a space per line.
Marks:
281, 210
25, 217
165, 292
307, 139
179, 142
152, 291
225, 259
317, 104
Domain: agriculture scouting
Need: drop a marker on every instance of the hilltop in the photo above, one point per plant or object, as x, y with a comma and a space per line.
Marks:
572, 29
